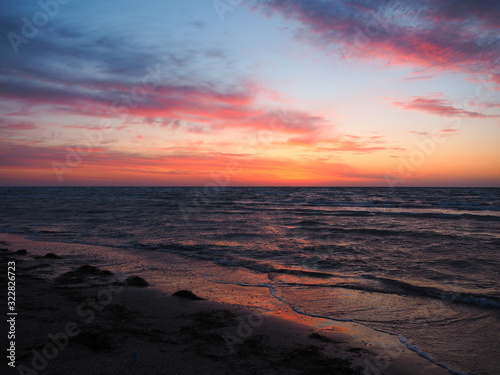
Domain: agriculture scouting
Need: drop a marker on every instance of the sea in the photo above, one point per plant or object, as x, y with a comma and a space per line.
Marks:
419, 263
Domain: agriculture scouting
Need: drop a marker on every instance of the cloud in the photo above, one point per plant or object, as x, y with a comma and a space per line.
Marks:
103, 166
352, 147
205, 107
435, 104
418, 77
16, 126
419, 133
443, 35
490, 105
345, 143
447, 132
85, 72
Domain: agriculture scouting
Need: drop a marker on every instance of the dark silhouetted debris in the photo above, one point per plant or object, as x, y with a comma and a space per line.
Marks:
187, 294
79, 276
136, 281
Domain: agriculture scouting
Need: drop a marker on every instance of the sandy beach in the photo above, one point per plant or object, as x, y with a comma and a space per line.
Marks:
250, 187
76, 317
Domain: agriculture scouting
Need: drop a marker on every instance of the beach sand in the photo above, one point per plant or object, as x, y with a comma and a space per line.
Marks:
74, 320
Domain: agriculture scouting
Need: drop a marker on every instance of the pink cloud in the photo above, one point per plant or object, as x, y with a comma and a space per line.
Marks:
419, 133
442, 35
166, 104
419, 78
18, 162
437, 105
16, 126
345, 143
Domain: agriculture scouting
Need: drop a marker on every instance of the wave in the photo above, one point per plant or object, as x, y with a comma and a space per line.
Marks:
169, 246
14, 231
444, 295
415, 348
437, 215
306, 273
385, 285
384, 232
388, 233
420, 215
396, 287
310, 223
375, 212
402, 339
203, 252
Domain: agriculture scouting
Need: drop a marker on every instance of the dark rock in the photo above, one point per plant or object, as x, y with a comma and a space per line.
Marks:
136, 281
187, 294
78, 276
21, 252
88, 270
355, 350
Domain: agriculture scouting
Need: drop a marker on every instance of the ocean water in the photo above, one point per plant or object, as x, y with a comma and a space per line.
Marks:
420, 263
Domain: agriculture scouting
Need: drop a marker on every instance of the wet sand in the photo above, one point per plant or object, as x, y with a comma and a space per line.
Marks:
76, 314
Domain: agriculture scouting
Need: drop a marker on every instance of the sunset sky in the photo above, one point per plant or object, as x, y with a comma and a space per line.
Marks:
270, 92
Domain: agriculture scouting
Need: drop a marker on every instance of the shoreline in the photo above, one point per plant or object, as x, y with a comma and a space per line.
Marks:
127, 329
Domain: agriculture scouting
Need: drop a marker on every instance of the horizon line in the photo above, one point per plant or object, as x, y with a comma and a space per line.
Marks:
252, 186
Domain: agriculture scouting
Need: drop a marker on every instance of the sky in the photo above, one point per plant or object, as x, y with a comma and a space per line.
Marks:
250, 93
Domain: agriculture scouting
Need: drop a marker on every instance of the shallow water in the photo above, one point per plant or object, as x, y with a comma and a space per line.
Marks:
421, 263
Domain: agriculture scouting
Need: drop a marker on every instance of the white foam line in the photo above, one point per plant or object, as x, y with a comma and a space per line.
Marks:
420, 352
402, 339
